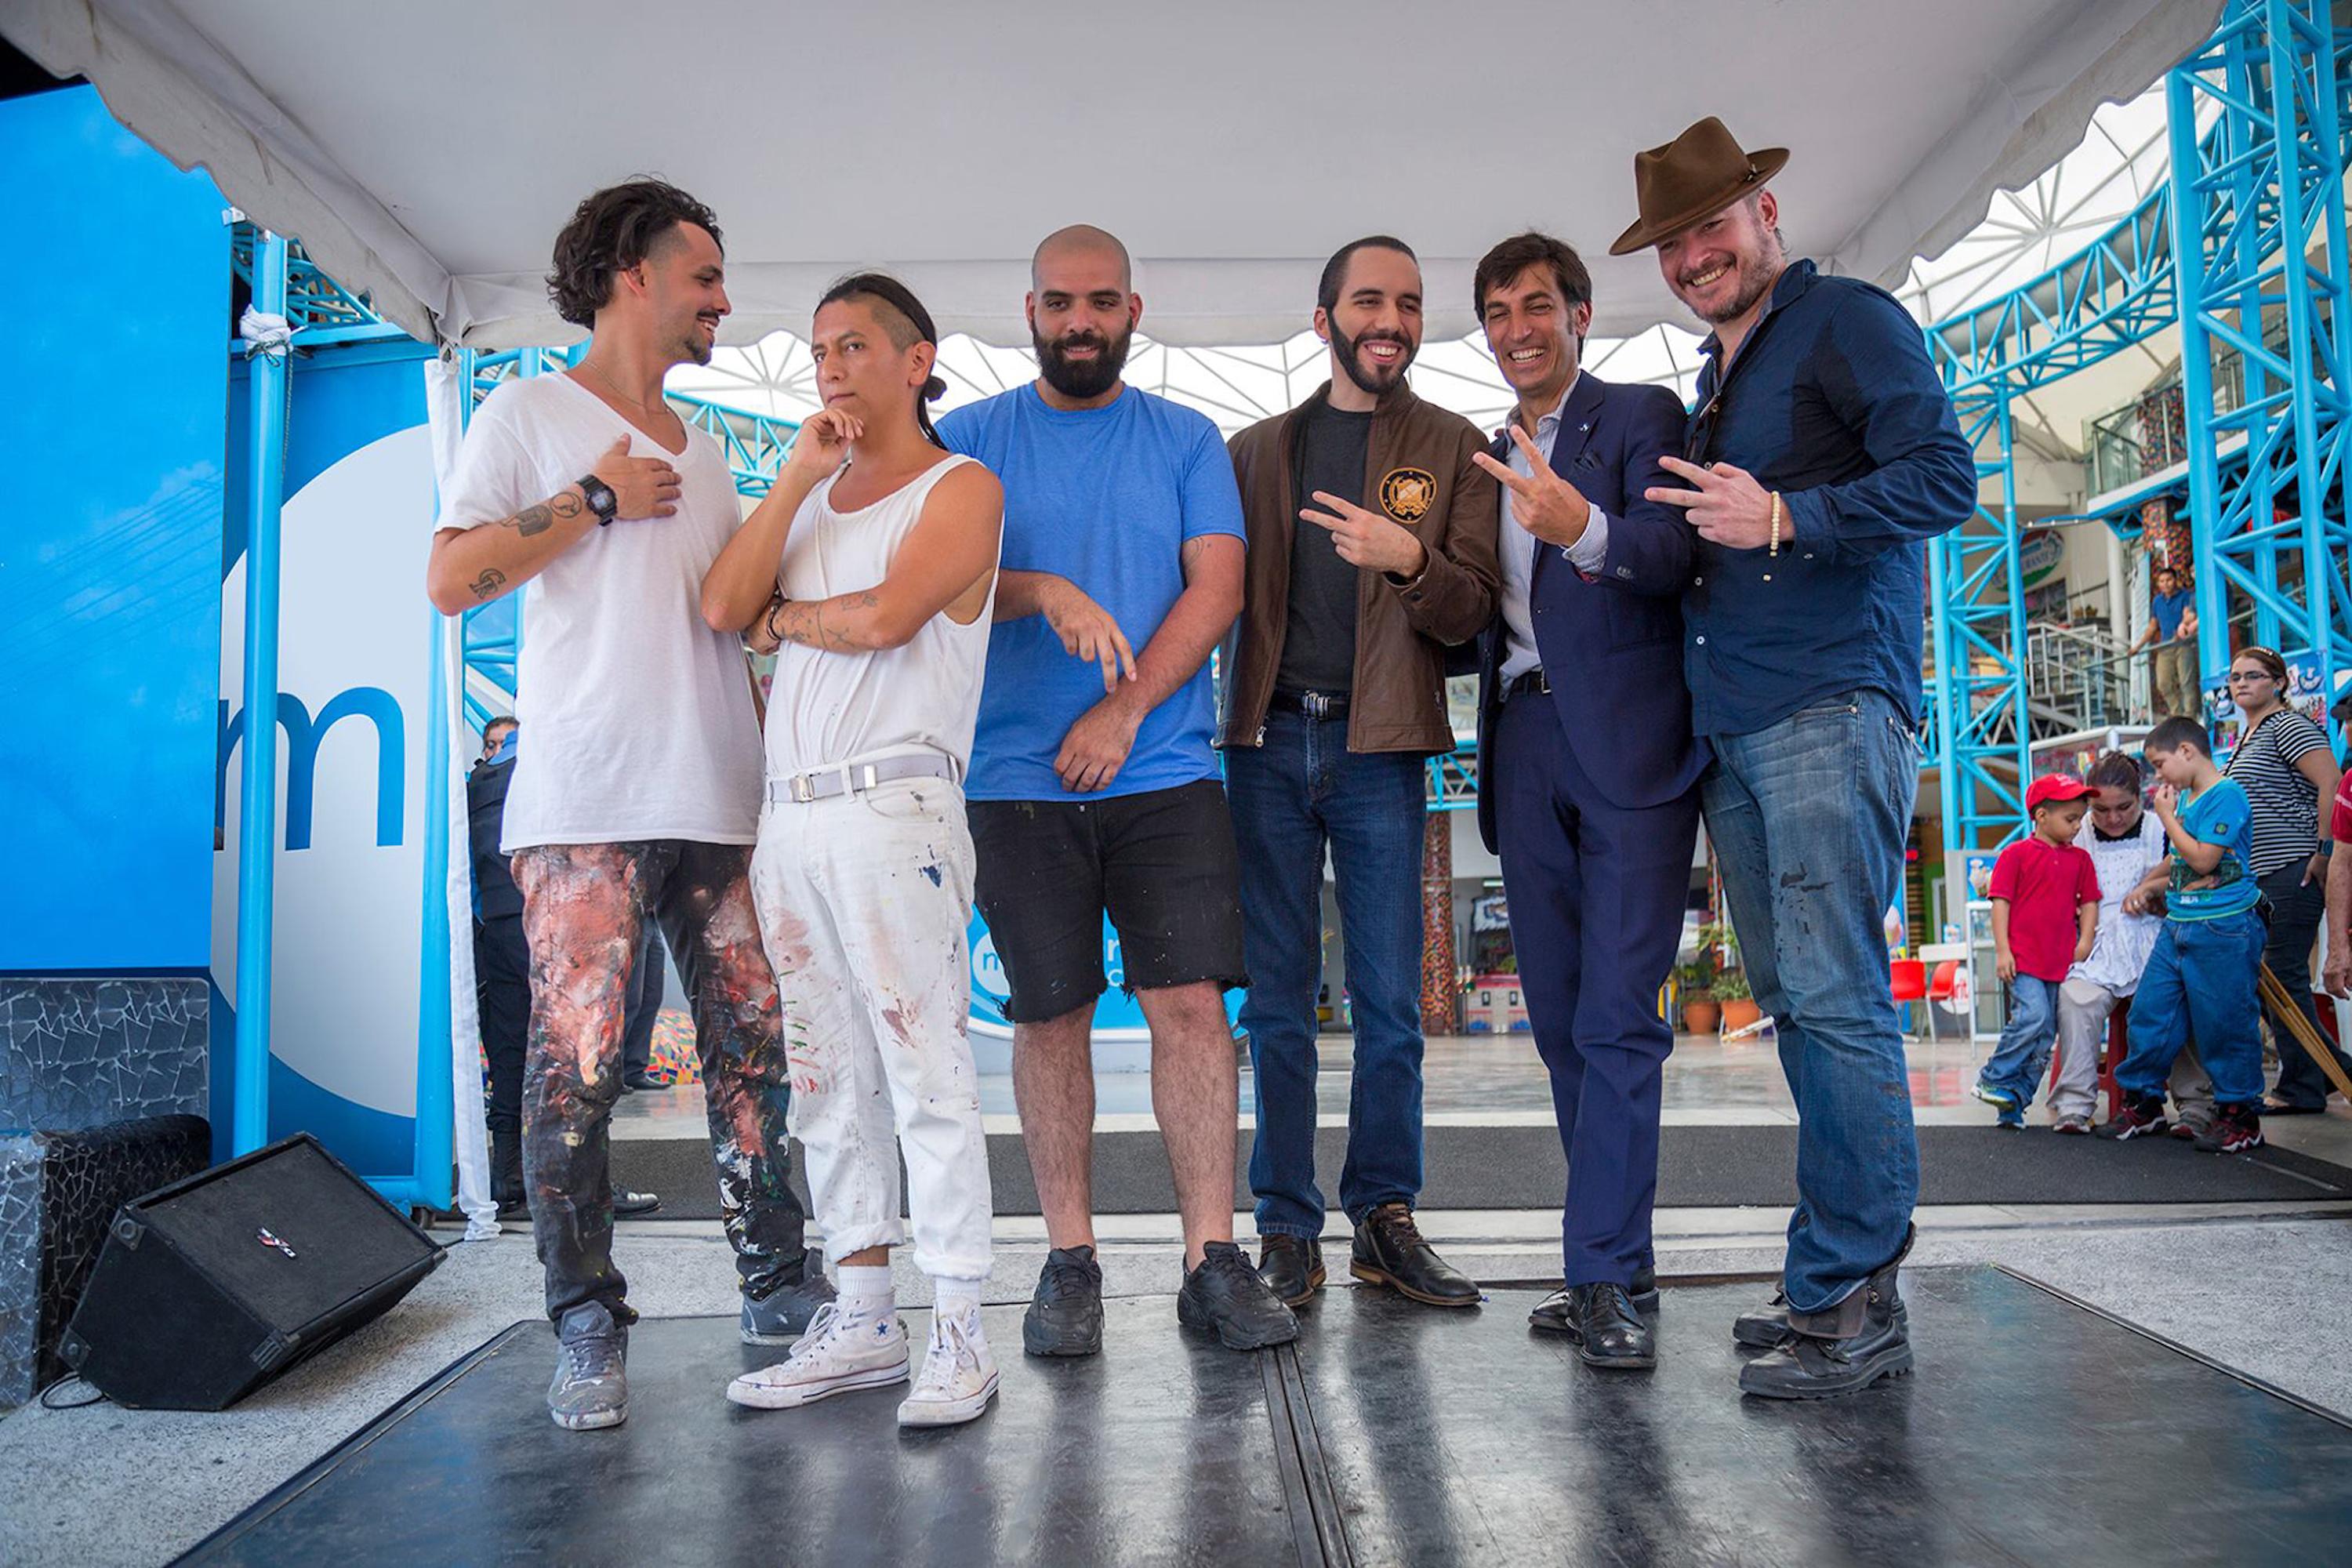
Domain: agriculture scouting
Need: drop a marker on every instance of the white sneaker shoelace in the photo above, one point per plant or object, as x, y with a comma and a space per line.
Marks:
951, 1351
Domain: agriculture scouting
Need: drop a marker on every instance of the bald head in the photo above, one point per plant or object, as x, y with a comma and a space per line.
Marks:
1085, 244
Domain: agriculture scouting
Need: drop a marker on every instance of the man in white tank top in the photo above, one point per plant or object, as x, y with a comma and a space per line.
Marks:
871, 569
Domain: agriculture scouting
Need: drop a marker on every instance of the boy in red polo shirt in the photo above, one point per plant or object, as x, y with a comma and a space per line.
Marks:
2045, 910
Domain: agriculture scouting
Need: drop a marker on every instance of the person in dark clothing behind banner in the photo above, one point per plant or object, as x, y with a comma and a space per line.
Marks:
1822, 456
502, 973
644, 1012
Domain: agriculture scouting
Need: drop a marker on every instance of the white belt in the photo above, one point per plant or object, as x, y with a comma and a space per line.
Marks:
854, 778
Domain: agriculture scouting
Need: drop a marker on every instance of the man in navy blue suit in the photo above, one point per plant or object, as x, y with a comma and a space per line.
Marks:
1587, 771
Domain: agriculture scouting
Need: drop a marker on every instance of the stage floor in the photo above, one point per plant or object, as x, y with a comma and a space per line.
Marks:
2035, 1430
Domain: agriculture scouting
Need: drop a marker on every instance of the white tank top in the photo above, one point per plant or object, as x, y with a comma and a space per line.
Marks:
826, 709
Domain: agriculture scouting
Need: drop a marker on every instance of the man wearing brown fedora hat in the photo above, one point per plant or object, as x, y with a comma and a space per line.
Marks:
1822, 457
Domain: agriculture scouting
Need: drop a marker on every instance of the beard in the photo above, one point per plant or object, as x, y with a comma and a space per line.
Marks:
1374, 383
1756, 276
1082, 379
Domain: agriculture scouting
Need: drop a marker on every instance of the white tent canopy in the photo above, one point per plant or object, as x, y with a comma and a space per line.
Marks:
426, 152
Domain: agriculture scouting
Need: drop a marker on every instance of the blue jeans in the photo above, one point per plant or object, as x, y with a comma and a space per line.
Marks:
1300, 791
1808, 818
2018, 1063
2201, 980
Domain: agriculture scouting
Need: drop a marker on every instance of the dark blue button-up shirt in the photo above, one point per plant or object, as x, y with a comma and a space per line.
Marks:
1832, 401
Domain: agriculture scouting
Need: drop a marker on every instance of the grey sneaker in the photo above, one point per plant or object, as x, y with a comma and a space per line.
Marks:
591, 1387
782, 1316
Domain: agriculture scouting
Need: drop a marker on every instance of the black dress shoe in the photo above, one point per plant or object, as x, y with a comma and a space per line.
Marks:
1550, 1314
1862, 1339
1232, 1300
626, 1204
637, 1079
1292, 1267
1602, 1321
1388, 1250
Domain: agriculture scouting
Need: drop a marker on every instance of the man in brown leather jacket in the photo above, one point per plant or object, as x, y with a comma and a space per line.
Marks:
1371, 550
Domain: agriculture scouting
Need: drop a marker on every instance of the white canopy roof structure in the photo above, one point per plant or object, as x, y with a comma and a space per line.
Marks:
427, 151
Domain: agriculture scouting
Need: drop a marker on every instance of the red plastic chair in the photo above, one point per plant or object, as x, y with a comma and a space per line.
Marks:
1908, 977
1942, 988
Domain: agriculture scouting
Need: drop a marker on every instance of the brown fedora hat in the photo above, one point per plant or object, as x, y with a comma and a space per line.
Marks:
1700, 171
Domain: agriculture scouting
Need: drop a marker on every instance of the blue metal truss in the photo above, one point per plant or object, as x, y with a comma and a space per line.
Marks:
2264, 193
2253, 234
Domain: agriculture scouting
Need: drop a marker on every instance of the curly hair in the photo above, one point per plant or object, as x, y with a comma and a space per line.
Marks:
612, 231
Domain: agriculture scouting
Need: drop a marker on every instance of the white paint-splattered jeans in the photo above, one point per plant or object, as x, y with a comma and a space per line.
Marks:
863, 902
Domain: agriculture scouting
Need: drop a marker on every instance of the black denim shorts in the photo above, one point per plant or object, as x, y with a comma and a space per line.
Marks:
1161, 863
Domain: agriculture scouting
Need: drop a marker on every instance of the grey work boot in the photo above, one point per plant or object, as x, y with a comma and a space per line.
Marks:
782, 1317
591, 1387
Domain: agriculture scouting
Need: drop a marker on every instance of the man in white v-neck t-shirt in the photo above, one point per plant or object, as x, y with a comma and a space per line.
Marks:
638, 794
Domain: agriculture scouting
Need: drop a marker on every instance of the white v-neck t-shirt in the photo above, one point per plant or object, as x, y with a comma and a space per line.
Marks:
636, 718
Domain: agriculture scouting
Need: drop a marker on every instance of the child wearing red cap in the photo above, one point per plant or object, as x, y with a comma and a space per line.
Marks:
2045, 910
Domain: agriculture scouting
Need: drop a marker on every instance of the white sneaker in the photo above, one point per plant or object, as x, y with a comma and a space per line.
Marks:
959, 1375
838, 1353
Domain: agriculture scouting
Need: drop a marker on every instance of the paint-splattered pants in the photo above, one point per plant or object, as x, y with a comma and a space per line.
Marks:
864, 900
585, 908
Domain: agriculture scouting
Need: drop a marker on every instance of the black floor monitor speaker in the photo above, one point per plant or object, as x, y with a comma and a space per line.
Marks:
86, 1178
209, 1288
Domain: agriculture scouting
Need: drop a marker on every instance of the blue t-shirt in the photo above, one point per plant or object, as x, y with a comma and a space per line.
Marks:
1106, 498
2219, 814
2167, 609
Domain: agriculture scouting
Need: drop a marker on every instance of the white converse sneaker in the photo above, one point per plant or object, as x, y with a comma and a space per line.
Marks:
838, 1353
959, 1375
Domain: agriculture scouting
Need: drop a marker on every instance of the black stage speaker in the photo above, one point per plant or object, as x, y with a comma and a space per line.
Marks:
210, 1287
86, 1177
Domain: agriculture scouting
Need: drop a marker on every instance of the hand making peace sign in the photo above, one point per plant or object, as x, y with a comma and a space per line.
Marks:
1544, 504
1728, 508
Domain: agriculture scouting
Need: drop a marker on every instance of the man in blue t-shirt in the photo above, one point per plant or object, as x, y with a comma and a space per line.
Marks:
1093, 790
2172, 629
2201, 979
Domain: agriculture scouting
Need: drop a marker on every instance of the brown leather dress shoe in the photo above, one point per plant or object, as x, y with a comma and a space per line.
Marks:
1390, 1251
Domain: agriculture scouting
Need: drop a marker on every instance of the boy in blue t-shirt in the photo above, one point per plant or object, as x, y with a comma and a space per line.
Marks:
2203, 978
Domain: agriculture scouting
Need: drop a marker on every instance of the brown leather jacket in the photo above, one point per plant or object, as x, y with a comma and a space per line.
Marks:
1419, 474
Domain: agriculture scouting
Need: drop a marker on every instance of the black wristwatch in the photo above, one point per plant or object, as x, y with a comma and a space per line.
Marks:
600, 498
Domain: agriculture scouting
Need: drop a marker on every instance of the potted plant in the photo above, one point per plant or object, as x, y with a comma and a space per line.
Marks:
1695, 983
1739, 1009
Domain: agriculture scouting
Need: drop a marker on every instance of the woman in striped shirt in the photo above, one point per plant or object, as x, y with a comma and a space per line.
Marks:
2283, 762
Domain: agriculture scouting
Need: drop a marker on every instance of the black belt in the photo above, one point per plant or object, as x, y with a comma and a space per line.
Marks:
1524, 682
1314, 704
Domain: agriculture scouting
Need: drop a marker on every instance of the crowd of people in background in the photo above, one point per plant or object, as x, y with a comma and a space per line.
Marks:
2178, 909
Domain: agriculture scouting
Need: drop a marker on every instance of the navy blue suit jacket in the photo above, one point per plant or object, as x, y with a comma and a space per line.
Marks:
1612, 645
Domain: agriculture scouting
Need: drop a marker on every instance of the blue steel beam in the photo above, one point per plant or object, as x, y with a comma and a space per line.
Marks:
2263, 192
257, 870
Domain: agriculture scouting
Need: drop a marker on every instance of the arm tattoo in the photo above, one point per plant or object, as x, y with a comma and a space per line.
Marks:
566, 505
533, 520
488, 583
802, 621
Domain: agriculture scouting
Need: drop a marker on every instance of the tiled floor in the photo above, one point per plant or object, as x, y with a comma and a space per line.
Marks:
1486, 1078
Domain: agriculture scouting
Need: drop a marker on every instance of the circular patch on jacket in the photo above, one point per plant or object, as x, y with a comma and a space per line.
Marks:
1407, 494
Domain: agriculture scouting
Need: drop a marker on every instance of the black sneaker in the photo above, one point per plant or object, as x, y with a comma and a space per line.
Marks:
1292, 1267
2142, 1115
627, 1204
1228, 1297
1862, 1339
1066, 1315
2235, 1130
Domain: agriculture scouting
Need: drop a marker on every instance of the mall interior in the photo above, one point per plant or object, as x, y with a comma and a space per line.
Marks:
2125, 1352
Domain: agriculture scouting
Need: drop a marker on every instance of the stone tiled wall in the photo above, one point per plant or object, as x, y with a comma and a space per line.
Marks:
76, 1053
20, 1265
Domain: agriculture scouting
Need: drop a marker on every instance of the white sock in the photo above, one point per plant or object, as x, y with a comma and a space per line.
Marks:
865, 1289
952, 1297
